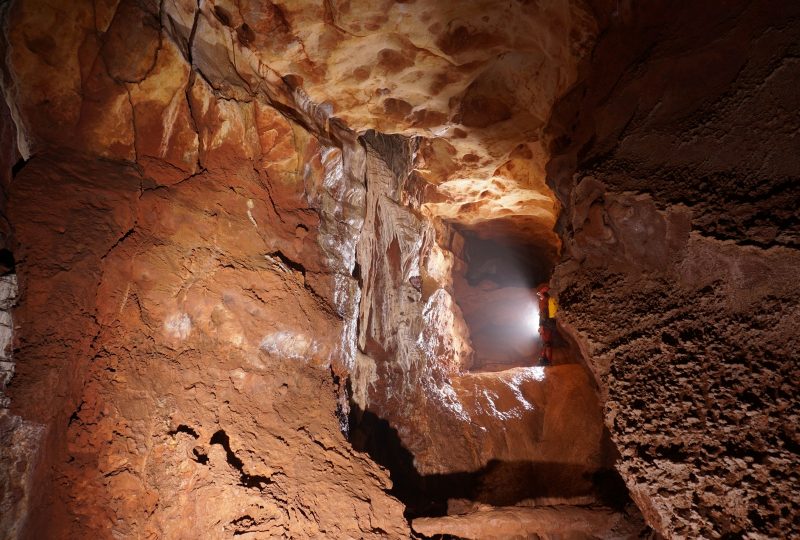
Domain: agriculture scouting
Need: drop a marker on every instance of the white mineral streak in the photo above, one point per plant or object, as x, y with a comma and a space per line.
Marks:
8, 293
343, 198
168, 123
278, 263
178, 326
250, 213
20, 440
286, 344
346, 296
363, 376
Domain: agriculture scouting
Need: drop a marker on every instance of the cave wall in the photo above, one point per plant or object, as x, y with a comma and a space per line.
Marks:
676, 160
184, 259
210, 242
175, 396
208, 249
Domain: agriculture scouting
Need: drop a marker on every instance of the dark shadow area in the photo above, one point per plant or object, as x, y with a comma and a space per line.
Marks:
200, 455
75, 416
183, 428
504, 262
565, 349
609, 485
17, 167
247, 480
287, 262
7, 263
499, 483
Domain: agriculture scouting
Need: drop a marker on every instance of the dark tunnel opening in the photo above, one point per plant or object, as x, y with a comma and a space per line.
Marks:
496, 289
505, 262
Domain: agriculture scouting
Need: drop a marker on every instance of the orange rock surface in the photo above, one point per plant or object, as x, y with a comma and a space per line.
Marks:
241, 231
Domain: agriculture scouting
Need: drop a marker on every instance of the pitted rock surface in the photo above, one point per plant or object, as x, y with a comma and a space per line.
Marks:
237, 225
680, 272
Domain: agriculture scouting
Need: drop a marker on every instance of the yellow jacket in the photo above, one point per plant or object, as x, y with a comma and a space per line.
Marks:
552, 307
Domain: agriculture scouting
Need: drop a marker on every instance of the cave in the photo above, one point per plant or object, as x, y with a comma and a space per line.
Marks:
496, 292
270, 269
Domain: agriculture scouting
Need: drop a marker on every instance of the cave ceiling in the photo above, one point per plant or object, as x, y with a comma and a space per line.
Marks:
237, 235
474, 81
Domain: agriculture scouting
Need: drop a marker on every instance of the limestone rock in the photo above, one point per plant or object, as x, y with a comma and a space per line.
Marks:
238, 226
681, 274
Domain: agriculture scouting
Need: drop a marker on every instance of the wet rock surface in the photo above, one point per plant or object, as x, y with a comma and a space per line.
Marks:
190, 405
248, 303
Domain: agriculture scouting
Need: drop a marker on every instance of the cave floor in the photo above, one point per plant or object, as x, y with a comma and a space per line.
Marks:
558, 521
553, 492
563, 353
544, 514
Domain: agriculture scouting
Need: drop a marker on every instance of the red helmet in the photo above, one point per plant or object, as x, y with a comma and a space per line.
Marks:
543, 289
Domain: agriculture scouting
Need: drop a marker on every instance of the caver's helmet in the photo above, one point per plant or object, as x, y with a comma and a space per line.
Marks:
543, 289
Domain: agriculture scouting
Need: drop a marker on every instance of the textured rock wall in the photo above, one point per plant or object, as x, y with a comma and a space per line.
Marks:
182, 297
677, 163
177, 398
207, 252
20, 438
8, 295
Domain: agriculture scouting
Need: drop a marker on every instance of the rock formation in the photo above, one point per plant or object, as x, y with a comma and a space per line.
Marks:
267, 269
680, 266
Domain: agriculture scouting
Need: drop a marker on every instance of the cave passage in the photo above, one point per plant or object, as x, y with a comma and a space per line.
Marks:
495, 284
496, 291
499, 483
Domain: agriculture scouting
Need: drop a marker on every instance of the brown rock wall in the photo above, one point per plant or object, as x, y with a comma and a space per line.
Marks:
216, 252
680, 274
206, 279
177, 395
